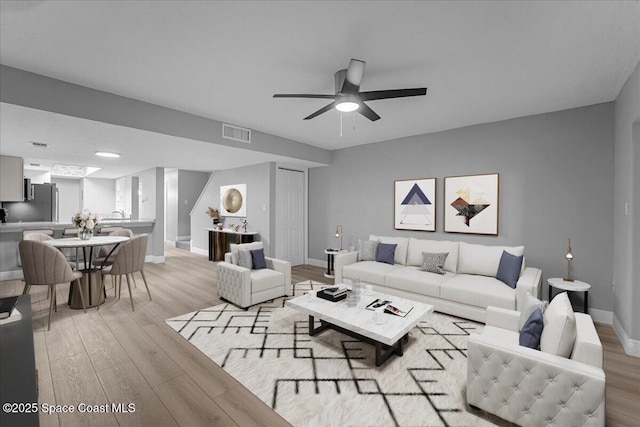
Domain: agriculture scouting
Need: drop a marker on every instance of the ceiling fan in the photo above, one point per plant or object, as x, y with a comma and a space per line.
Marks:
347, 98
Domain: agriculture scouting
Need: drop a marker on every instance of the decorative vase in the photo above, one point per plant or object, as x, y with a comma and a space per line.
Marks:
85, 234
215, 221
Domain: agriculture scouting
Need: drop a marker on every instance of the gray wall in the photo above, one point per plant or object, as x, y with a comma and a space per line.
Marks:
556, 181
260, 180
626, 254
151, 206
190, 185
171, 211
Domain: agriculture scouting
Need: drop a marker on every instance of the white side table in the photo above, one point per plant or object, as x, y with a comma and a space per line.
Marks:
330, 254
575, 286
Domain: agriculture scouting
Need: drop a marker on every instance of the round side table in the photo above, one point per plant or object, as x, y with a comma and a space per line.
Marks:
330, 254
575, 286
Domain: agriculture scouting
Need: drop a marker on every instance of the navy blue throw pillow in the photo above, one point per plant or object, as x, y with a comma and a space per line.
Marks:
257, 258
385, 253
532, 330
509, 269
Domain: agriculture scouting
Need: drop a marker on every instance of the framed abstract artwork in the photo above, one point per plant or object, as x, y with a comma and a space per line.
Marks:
233, 200
414, 203
471, 204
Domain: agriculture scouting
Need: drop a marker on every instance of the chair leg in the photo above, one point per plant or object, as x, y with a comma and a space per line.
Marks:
130, 294
144, 279
54, 296
51, 304
135, 285
26, 289
84, 303
102, 279
119, 279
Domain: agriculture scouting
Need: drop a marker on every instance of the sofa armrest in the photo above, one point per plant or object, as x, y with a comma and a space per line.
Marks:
339, 261
283, 267
587, 348
234, 283
502, 318
228, 257
530, 281
529, 387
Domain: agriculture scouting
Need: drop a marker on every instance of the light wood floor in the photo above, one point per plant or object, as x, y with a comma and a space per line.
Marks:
118, 356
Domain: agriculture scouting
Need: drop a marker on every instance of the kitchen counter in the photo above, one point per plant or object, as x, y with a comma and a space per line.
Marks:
17, 227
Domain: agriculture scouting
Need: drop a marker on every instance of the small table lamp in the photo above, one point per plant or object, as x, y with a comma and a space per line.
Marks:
569, 257
339, 234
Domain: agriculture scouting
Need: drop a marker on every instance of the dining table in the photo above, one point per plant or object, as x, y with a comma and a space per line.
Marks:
91, 275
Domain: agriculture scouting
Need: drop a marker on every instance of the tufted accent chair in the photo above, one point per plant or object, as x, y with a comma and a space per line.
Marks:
244, 287
532, 388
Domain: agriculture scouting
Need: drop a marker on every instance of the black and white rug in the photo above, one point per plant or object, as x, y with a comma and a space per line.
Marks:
331, 379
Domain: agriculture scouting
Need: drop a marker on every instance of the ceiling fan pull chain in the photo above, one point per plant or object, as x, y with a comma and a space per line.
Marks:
354, 121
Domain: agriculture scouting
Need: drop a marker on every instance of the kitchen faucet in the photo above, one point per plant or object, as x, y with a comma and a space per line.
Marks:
119, 211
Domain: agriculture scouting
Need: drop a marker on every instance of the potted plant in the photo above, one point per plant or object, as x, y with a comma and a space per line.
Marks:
214, 214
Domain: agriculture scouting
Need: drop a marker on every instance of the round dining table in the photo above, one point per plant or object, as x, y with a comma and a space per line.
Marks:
91, 276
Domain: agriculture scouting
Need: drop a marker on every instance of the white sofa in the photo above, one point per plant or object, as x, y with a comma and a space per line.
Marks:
530, 387
466, 289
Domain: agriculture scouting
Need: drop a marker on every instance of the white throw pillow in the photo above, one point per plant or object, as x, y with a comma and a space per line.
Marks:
418, 246
483, 260
559, 333
248, 246
529, 306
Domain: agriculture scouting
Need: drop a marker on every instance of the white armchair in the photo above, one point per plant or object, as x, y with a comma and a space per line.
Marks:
532, 388
245, 287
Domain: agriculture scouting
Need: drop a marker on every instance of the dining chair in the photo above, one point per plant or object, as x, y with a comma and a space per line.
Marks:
26, 231
69, 233
104, 231
129, 260
46, 266
101, 260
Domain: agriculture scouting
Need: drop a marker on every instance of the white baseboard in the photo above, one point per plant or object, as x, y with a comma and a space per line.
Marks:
170, 243
154, 259
317, 262
181, 238
601, 316
200, 251
630, 345
11, 275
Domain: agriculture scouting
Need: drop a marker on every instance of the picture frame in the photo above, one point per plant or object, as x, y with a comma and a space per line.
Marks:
233, 200
471, 204
414, 202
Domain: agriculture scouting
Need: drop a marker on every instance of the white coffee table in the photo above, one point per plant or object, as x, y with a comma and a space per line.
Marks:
388, 338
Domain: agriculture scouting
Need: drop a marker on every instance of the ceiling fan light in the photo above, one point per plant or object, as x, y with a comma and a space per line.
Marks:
107, 154
347, 106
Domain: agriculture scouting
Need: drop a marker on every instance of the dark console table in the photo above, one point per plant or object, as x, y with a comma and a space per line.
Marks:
18, 383
219, 241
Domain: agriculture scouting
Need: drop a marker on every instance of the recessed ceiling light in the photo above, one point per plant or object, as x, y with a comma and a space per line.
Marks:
106, 154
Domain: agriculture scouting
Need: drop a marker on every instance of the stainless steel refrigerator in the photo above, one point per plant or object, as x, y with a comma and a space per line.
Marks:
43, 207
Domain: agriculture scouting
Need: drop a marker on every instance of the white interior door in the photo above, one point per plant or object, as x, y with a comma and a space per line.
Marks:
290, 216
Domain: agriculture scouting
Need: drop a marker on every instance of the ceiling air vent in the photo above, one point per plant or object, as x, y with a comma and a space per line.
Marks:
39, 144
236, 133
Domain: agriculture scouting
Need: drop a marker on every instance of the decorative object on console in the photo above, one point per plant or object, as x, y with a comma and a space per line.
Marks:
214, 214
339, 234
569, 257
471, 204
244, 224
233, 200
85, 221
415, 204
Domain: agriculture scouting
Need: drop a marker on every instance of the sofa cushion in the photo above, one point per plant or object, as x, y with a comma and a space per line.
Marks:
433, 263
244, 258
411, 279
385, 253
368, 271
530, 304
257, 259
478, 291
482, 259
559, 333
400, 256
418, 246
367, 250
264, 279
532, 330
509, 268
236, 247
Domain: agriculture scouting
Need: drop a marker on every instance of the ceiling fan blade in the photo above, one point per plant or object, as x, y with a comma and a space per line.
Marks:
353, 77
303, 95
394, 93
368, 112
320, 111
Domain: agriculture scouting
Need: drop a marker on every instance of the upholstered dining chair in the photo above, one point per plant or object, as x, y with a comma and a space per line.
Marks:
45, 265
129, 260
105, 231
38, 236
104, 251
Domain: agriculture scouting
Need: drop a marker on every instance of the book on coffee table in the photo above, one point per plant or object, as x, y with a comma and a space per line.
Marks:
6, 306
397, 308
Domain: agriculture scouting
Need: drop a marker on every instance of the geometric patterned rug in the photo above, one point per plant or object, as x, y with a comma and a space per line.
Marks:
331, 379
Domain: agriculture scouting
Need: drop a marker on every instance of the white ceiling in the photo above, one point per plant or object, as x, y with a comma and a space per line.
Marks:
481, 61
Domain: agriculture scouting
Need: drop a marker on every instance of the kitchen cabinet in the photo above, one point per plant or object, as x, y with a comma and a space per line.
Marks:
11, 179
